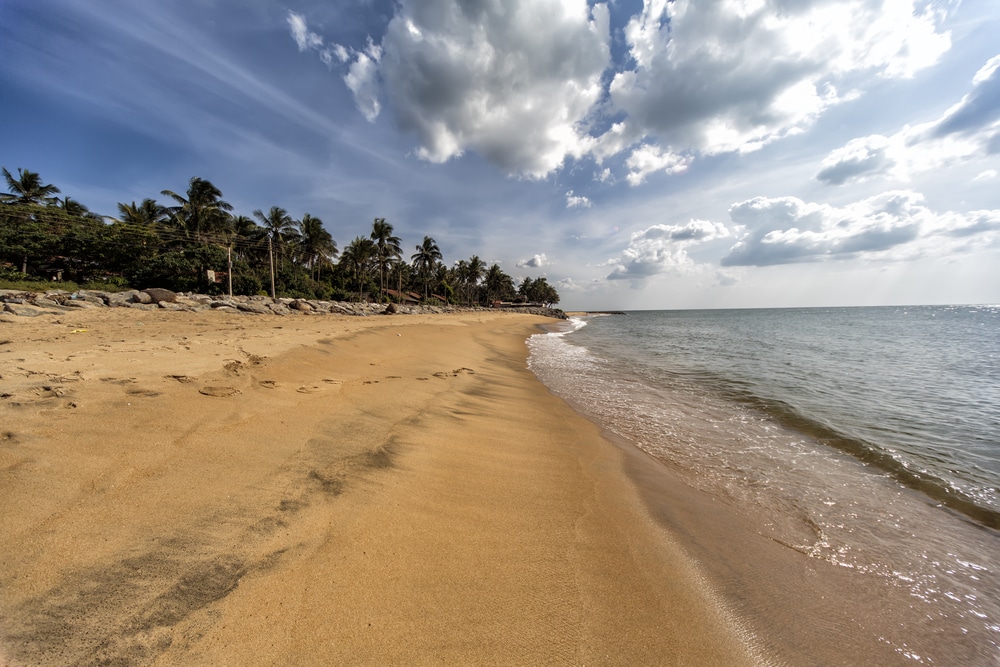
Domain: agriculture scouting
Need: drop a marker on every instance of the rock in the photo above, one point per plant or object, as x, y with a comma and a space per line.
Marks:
223, 304
118, 299
80, 303
167, 305
158, 294
279, 309
389, 310
142, 298
24, 310
94, 296
257, 308
144, 306
301, 306
224, 309
43, 302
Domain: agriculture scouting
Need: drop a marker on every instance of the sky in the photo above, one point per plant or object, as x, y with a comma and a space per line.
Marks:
639, 155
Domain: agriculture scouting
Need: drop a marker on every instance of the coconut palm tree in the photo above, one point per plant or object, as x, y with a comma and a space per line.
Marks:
386, 248
316, 243
27, 188
25, 231
425, 260
146, 214
474, 273
202, 212
358, 256
498, 284
278, 228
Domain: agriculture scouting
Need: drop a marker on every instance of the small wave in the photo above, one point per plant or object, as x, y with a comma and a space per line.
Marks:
902, 471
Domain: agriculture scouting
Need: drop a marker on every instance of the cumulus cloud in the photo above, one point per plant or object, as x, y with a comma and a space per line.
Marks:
362, 79
530, 84
969, 129
362, 74
535, 262
986, 175
663, 249
577, 201
647, 159
513, 81
892, 225
301, 33
724, 76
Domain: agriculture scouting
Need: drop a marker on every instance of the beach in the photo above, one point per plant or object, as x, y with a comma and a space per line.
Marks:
221, 488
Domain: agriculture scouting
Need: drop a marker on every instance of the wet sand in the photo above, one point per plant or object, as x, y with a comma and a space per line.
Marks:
208, 488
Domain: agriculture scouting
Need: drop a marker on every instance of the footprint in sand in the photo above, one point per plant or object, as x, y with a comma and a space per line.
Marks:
220, 392
183, 379
455, 373
268, 384
309, 389
147, 393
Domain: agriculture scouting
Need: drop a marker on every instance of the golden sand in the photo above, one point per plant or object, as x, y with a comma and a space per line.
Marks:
211, 489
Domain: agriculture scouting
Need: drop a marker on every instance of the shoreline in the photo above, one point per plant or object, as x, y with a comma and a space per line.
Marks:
194, 488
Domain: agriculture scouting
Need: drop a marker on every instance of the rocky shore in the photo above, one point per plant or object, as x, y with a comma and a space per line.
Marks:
53, 302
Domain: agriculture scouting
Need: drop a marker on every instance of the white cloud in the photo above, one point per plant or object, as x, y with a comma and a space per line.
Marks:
986, 175
535, 262
528, 83
894, 225
513, 81
663, 249
301, 33
647, 159
362, 79
969, 129
719, 77
577, 201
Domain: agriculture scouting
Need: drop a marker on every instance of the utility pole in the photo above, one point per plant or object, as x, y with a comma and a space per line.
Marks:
229, 255
270, 252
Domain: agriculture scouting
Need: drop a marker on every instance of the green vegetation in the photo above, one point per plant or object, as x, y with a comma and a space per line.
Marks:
196, 243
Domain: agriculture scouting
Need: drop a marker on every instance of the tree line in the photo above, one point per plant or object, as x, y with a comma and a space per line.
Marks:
195, 242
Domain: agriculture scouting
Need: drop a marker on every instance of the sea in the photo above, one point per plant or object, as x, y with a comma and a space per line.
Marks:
864, 441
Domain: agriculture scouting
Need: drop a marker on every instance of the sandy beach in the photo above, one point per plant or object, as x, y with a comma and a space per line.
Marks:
209, 488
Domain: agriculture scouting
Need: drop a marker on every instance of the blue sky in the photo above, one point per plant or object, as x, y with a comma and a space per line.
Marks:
638, 154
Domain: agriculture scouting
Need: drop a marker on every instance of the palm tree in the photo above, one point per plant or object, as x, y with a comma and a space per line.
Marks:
202, 211
28, 236
386, 247
278, 228
278, 225
498, 284
425, 259
316, 243
27, 188
474, 273
146, 214
358, 257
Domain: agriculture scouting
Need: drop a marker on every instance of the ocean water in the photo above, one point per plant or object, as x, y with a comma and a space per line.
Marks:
868, 438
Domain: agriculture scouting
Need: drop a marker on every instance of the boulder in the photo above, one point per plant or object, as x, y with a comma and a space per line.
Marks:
169, 305
80, 303
279, 309
118, 299
142, 298
43, 302
301, 306
389, 310
252, 307
223, 304
93, 296
24, 310
158, 294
